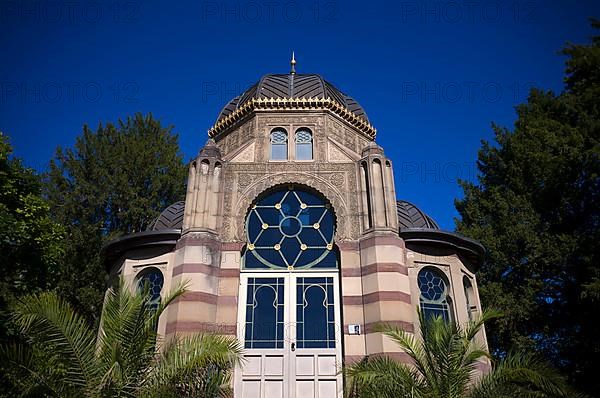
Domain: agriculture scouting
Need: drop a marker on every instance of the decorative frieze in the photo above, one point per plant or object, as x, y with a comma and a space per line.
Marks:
292, 104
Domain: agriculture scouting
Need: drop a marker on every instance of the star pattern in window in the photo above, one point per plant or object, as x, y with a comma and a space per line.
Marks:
291, 229
432, 286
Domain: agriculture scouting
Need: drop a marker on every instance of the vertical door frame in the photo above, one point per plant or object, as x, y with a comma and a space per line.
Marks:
338, 328
289, 319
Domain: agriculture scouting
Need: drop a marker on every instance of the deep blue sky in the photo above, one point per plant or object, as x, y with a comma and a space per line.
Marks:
431, 75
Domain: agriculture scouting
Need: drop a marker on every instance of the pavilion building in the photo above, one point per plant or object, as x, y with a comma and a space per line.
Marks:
291, 237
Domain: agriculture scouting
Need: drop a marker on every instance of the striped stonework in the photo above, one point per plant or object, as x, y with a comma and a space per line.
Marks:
386, 293
212, 278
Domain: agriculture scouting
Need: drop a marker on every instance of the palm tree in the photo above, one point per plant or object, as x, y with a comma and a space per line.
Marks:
444, 365
61, 356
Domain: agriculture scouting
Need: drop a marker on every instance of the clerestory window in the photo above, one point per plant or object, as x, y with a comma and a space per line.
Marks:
279, 144
304, 144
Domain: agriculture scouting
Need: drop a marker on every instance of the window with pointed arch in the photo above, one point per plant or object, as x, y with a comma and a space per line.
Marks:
279, 144
304, 144
434, 299
151, 282
290, 228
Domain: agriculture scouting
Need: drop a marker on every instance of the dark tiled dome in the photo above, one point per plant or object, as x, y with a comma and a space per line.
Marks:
293, 86
170, 218
410, 216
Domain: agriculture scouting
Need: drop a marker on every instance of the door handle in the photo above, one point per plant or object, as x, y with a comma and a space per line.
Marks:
293, 346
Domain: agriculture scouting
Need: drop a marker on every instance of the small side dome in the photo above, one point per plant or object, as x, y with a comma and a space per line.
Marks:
410, 216
170, 218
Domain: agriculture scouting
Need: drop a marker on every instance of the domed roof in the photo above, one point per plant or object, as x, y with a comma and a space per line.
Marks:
294, 86
410, 216
170, 218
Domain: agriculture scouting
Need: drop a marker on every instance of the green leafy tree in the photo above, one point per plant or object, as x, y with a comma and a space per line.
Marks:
536, 208
31, 244
444, 364
114, 181
64, 357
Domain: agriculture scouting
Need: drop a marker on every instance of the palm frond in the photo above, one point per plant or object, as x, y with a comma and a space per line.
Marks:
21, 367
381, 376
413, 347
474, 326
198, 362
522, 371
49, 321
128, 339
445, 364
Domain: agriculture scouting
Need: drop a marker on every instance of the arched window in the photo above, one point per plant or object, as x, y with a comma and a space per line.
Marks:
469, 297
304, 144
290, 229
151, 280
434, 300
279, 144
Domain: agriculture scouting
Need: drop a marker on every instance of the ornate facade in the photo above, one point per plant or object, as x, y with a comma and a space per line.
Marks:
291, 238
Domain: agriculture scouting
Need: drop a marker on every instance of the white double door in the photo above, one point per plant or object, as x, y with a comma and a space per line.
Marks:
289, 324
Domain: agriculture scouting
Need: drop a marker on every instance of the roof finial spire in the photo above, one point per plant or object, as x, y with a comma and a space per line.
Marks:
293, 64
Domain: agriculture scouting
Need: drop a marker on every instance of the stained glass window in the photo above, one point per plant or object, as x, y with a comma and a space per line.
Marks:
279, 144
264, 313
290, 229
315, 319
151, 280
304, 144
434, 300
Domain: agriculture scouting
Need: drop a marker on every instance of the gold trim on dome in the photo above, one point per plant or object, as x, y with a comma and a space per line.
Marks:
295, 104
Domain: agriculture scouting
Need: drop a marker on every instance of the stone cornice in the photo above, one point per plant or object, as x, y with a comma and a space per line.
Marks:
292, 104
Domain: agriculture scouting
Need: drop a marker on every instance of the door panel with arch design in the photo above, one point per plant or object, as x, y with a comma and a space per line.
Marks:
289, 325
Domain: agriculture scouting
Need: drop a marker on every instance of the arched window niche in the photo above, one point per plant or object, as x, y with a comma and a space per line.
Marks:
279, 144
469, 297
290, 228
151, 281
304, 144
434, 298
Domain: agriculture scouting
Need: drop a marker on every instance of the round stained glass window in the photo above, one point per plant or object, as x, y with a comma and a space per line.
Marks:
290, 229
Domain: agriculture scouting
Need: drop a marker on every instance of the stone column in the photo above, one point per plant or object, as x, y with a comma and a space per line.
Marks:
197, 260
383, 273
378, 195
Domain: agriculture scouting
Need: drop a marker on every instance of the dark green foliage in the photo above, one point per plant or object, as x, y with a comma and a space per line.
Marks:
31, 244
536, 208
114, 181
